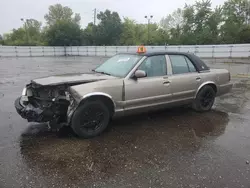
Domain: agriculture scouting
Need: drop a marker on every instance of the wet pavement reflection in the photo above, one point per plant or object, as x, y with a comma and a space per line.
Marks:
171, 148
131, 146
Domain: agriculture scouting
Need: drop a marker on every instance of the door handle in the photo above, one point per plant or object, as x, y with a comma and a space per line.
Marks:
198, 79
166, 82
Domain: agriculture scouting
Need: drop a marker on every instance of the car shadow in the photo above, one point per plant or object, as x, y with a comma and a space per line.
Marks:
129, 144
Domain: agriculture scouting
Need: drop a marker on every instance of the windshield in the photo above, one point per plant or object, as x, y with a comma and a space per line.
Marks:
118, 65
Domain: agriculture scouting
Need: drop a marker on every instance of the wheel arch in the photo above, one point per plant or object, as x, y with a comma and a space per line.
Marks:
104, 97
209, 83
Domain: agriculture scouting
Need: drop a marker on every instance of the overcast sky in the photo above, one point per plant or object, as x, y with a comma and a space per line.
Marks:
12, 10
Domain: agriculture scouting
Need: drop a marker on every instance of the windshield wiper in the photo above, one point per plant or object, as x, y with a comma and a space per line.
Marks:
101, 72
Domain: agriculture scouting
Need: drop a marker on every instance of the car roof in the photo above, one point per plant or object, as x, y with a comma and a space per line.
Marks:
158, 53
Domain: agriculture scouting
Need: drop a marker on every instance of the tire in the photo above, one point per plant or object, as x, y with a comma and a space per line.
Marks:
204, 100
90, 119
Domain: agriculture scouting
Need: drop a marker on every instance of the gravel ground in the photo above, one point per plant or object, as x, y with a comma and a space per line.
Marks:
171, 148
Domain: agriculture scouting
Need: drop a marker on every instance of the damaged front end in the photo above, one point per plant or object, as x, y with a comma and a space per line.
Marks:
44, 103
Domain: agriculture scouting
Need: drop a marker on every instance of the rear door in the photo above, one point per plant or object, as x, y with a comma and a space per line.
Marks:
151, 91
184, 79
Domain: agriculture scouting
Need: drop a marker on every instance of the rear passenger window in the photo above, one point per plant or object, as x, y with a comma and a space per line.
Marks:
181, 64
190, 65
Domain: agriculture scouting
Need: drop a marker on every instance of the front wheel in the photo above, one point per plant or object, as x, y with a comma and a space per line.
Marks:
204, 99
90, 119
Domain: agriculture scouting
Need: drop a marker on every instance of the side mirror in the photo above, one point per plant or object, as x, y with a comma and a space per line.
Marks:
140, 74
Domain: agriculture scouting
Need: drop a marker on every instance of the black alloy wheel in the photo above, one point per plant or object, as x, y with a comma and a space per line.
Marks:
90, 119
204, 100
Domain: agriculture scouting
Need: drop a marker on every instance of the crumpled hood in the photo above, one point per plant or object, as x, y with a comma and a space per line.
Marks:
71, 79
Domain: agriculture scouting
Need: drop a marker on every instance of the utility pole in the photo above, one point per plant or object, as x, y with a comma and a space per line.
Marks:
26, 30
94, 29
94, 16
248, 12
148, 18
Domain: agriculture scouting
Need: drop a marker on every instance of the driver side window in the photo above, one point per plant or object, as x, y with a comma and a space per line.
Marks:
154, 66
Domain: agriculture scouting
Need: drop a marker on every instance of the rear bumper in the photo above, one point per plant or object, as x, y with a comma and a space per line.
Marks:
224, 89
29, 112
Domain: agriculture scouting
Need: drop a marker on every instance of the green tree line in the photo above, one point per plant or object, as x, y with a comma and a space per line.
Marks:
196, 23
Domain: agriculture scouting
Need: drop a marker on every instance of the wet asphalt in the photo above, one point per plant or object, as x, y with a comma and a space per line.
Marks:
170, 148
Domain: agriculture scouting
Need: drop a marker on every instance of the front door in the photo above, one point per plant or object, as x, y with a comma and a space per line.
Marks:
184, 80
152, 91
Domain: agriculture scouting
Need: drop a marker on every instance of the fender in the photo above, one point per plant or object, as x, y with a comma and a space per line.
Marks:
73, 108
202, 85
97, 94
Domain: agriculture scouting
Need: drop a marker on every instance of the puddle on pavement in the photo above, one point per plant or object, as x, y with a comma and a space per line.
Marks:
237, 99
126, 146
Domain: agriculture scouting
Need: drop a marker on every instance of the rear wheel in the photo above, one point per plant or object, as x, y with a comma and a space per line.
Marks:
204, 99
90, 119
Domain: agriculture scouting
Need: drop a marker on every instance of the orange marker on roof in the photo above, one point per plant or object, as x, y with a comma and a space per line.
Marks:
141, 49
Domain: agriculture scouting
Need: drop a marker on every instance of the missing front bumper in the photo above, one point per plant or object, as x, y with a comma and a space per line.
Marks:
31, 113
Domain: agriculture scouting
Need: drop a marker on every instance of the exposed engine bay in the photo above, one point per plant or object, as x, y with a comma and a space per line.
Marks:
46, 103
52, 99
